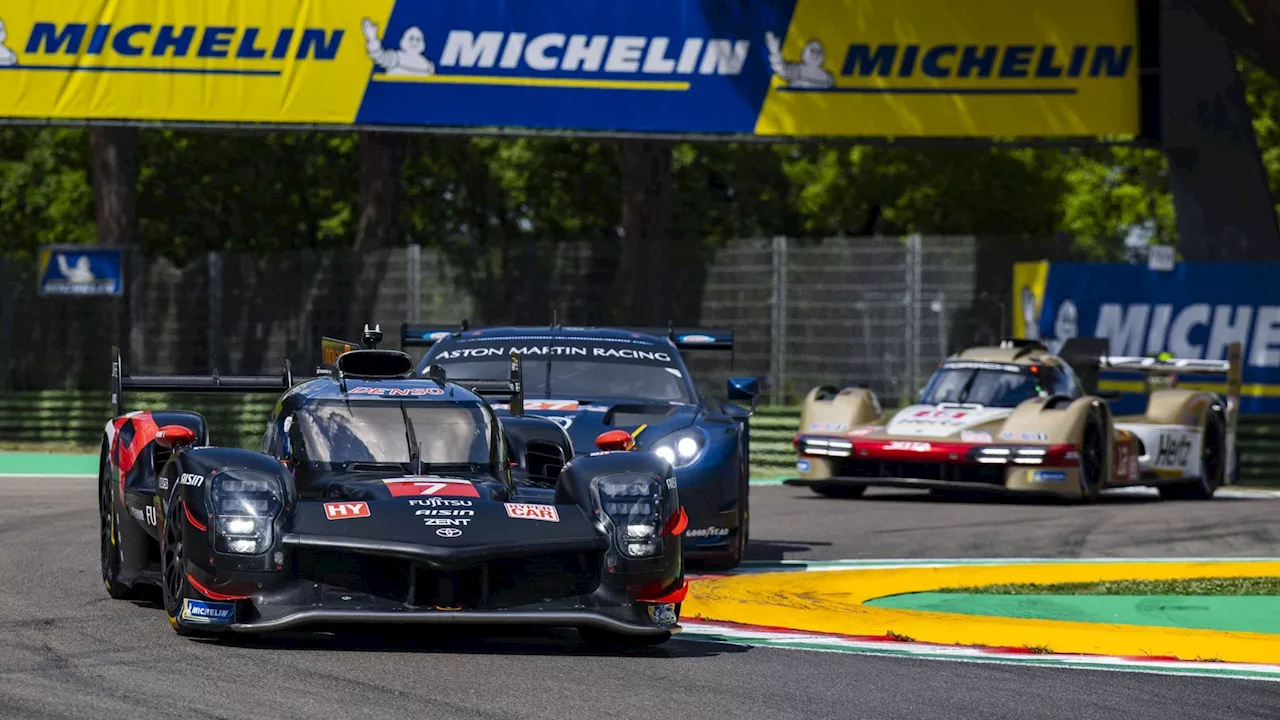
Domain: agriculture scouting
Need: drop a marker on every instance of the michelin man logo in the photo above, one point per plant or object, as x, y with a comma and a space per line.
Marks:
80, 273
407, 60
808, 74
1066, 323
8, 57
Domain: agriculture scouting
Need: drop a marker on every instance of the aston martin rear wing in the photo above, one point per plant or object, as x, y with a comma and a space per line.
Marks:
213, 383
684, 338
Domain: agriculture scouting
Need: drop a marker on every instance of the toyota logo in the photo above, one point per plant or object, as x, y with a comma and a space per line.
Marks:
448, 532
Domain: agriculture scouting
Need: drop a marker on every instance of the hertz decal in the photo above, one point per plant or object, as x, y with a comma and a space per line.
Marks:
771, 67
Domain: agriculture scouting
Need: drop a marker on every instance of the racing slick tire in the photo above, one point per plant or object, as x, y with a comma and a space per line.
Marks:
1213, 466
176, 587
1093, 458
844, 492
606, 640
109, 531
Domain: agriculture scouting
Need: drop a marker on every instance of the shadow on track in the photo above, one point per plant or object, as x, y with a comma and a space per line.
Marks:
468, 639
778, 549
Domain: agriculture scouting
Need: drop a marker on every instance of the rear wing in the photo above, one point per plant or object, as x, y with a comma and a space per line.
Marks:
1084, 356
684, 338
418, 335
215, 383
511, 389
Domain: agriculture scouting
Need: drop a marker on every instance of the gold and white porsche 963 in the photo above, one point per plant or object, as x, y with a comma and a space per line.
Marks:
1016, 418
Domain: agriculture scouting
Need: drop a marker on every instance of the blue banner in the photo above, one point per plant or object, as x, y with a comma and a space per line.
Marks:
81, 271
1194, 311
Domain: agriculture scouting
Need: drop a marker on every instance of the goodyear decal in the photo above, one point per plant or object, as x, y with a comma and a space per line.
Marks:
771, 67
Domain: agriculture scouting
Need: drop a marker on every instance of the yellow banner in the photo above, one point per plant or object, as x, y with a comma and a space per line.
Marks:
968, 68
1029, 279
208, 61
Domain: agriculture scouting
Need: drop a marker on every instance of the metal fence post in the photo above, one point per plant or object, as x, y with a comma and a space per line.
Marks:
8, 298
940, 307
414, 271
778, 324
913, 307
214, 269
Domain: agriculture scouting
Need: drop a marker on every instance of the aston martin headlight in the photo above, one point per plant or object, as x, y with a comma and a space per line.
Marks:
681, 448
245, 505
630, 505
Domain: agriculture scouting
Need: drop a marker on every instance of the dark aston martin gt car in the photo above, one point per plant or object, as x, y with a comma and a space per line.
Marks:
591, 380
385, 496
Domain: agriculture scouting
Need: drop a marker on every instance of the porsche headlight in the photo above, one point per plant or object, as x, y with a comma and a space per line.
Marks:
681, 448
245, 506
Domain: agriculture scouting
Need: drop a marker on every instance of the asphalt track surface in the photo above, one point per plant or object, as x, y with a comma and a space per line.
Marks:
68, 651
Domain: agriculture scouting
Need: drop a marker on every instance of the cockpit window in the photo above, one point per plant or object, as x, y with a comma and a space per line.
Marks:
1005, 387
349, 432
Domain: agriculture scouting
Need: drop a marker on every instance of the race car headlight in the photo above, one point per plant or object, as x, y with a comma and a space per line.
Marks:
681, 448
245, 506
631, 508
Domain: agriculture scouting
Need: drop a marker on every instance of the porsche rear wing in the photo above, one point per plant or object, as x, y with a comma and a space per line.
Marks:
1083, 355
214, 383
684, 338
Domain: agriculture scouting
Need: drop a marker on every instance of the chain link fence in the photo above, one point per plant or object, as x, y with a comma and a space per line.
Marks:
879, 311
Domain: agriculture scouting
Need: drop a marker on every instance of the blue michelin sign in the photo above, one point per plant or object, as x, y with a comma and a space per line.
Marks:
81, 271
1193, 311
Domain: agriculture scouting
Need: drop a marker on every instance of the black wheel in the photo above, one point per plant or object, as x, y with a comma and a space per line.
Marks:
847, 492
173, 572
110, 529
1213, 466
1092, 459
607, 640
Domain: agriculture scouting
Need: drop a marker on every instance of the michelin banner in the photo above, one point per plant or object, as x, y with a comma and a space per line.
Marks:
978, 68
1194, 311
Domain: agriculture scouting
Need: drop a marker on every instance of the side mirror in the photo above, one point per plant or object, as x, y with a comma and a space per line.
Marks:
744, 388
175, 436
615, 440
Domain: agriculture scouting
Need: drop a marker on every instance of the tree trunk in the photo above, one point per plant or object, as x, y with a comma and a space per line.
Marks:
646, 217
381, 163
114, 164
1220, 193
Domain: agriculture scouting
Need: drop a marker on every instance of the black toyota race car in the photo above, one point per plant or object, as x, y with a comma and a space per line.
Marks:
385, 496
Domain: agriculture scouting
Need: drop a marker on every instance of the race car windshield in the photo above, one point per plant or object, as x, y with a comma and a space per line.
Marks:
991, 388
445, 435
579, 378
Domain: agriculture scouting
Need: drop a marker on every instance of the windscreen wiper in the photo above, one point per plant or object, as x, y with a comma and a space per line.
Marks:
413, 441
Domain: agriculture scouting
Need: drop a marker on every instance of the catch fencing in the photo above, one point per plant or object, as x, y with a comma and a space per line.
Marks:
880, 311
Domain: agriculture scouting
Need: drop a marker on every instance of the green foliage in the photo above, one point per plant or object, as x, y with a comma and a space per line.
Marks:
487, 199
